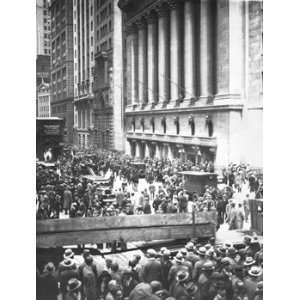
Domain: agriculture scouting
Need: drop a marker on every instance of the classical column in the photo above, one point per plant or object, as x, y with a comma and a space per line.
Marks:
206, 61
175, 47
128, 64
163, 54
229, 31
133, 65
137, 150
147, 150
189, 49
142, 62
152, 57
170, 152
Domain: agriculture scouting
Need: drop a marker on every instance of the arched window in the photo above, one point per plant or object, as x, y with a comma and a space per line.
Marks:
164, 124
192, 124
133, 124
152, 123
176, 122
210, 126
143, 124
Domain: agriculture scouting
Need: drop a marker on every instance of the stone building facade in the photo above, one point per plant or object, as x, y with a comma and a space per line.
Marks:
108, 75
43, 28
83, 20
98, 74
43, 100
193, 79
62, 85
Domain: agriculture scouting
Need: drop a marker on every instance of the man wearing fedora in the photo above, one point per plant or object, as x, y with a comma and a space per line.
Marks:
198, 265
48, 282
67, 269
179, 290
166, 265
89, 276
128, 282
73, 290
191, 256
177, 267
251, 281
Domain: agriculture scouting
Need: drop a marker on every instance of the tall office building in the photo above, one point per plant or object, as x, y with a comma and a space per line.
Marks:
98, 74
43, 27
194, 79
83, 39
108, 75
62, 74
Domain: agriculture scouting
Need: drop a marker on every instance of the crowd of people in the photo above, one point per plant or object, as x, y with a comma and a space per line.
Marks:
204, 271
62, 189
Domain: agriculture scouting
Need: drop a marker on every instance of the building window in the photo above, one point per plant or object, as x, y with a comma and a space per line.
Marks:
143, 124
192, 124
152, 123
164, 124
92, 25
92, 41
133, 125
92, 11
210, 127
176, 122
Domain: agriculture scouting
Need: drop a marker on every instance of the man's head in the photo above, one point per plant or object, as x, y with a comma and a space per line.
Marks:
114, 266
108, 262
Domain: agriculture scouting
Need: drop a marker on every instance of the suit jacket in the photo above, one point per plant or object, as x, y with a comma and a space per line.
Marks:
151, 271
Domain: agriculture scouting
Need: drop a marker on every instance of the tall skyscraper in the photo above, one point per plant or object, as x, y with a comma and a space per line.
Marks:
108, 85
98, 74
83, 39
62, 73
43, 27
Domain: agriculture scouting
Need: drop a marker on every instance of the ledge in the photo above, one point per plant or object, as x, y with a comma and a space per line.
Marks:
201, 108
175, 139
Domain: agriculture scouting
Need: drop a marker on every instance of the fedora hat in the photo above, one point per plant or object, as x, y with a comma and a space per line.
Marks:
167, 253
151, 253
68, 253
255, 271
190, 246
49, 267
73, 284
182, 276
202, 250
207, 246
183, 251
162, 250
239, 284
68, 263
85, 253
249, 261
179, 258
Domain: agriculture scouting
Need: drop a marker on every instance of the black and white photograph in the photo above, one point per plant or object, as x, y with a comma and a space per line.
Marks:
149, 149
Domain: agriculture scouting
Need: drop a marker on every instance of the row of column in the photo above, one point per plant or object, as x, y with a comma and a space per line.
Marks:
155, 47
152, 149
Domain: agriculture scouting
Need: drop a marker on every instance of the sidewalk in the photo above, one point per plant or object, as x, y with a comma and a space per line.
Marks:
224, 235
